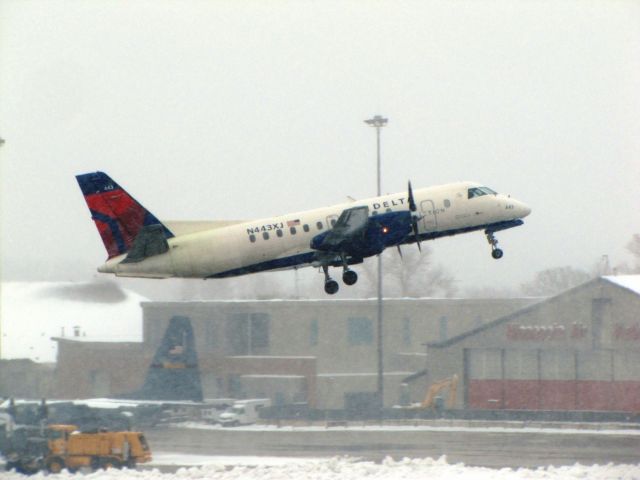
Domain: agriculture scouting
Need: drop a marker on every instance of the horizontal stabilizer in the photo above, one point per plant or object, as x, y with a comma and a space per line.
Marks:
149, 242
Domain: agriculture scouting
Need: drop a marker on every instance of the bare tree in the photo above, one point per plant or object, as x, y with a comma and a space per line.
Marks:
554, 280
634, 248
490, 291
412, 275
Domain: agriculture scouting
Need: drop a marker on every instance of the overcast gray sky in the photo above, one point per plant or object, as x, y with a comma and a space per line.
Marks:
226, 109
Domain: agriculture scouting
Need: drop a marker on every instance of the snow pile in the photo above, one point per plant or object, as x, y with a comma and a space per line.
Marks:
348, 469
32, 313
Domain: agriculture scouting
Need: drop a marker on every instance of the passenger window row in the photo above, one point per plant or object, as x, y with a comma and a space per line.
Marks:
292, 230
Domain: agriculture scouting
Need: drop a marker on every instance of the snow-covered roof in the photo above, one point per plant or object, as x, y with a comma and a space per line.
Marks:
630, 282
31, 313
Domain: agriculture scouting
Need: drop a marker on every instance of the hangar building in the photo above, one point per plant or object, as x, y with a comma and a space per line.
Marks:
579, 350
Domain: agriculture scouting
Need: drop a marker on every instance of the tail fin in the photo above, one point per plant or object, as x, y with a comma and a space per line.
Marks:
118, 216
174, 373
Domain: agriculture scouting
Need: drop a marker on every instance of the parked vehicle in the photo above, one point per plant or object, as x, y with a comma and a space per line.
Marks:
244, 412
63, 446
215, 408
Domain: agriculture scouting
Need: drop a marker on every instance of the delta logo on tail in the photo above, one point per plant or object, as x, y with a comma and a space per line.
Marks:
117, 215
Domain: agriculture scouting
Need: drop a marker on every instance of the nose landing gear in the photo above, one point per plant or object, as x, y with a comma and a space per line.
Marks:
493, 241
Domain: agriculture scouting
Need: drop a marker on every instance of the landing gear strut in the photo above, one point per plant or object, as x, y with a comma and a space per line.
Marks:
330, 285
349, 277
493, 241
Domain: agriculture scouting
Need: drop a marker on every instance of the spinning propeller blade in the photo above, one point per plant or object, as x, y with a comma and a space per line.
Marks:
414, 217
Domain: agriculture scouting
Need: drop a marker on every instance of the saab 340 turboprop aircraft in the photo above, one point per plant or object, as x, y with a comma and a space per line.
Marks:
139, 245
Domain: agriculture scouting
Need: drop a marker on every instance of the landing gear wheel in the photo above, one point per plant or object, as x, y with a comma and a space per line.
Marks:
349, 277
493, 241
331, 286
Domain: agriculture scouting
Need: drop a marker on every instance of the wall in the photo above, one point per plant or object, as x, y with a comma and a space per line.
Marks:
576, 351
332, 333
25, 379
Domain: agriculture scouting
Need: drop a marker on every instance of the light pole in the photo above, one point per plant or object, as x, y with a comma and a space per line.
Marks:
378, 122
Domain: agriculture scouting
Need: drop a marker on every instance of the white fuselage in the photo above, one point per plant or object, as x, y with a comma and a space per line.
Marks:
278, 242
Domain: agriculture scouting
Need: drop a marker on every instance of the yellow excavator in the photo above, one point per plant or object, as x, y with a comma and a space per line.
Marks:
435, 388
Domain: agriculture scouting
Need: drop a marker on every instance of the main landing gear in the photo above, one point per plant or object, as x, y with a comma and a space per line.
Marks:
493, 241
349, 277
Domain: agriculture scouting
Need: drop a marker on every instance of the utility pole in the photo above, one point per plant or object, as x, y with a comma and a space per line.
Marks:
378, 122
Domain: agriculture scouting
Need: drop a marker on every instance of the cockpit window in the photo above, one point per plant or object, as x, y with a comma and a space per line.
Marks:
480, 191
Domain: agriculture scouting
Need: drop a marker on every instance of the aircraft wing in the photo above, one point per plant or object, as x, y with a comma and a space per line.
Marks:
349, 230
356, 235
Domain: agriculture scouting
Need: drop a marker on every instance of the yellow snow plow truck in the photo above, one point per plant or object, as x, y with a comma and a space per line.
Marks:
63, 446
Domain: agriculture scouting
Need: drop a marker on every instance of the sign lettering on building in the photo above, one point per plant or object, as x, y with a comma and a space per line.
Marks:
629, 333
541, 333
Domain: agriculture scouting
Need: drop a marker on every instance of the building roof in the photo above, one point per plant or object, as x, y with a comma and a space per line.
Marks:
31, 313
630, 282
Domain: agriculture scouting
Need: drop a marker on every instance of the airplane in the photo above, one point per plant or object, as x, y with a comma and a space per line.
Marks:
140, 245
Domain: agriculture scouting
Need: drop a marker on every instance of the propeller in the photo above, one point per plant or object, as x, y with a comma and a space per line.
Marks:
414, 217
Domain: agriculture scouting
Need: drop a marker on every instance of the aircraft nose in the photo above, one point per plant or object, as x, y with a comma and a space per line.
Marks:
523, 210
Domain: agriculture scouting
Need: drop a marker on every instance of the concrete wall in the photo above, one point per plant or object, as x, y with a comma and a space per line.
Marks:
99, 369
26, 379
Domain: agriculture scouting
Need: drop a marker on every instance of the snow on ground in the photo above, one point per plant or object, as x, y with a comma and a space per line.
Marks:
413, 428
33, 312
180, 459
344, 468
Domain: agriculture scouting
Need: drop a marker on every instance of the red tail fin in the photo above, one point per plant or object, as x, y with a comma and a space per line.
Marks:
118, 216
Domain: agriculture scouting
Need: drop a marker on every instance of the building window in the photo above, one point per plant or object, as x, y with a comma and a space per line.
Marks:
360, 331
293, 230
305, 227
252, 238
234, 386
406, 332
265, 235
279, 233
245, 333
211, 334
319, 225
443, 329
259, 330
313, 332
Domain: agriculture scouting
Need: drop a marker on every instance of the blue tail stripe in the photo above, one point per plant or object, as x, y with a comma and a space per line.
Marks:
113, 226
